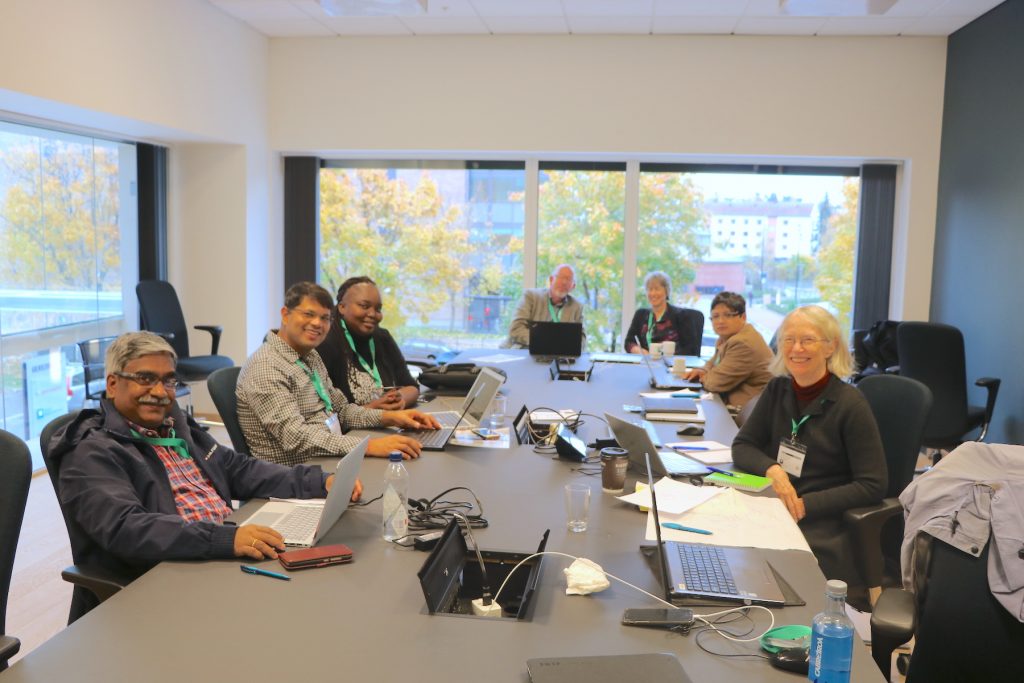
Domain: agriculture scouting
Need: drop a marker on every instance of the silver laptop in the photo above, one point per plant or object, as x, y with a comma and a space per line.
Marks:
662, 377
719, 424
304, 524
635, 439
448, 409
698, 570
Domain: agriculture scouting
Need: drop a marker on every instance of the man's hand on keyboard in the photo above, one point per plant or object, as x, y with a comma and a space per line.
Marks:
382, 446
257, 542
409, 419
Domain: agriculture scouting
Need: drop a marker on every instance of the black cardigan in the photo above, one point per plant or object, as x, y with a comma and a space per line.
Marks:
687, 329
338, 355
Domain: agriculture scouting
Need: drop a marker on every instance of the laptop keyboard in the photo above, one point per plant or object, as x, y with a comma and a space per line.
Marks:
435, 438
447, 418
705, 569
300, 522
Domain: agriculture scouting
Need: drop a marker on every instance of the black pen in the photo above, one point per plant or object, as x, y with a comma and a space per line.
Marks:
263, 572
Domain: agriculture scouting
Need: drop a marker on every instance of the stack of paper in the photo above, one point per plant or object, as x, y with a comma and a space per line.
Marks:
674, 497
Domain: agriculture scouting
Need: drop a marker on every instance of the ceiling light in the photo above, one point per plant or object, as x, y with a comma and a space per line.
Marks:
835, 8
373, 8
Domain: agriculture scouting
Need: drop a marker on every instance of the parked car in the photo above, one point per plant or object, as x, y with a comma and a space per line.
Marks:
427, 351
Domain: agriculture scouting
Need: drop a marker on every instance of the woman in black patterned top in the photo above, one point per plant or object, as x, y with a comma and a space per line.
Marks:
362, 358
664, 322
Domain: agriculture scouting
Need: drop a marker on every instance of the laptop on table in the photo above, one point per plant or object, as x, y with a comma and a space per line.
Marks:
700, 571
662, 377
635, 439
550, 341
304, 524
471, 411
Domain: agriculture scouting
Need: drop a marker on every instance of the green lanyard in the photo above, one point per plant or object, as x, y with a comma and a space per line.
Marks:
179, 445
317, 384
555, 317
372, 369
650, 325
797, 426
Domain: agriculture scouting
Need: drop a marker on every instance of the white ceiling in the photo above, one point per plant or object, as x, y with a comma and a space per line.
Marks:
298, 18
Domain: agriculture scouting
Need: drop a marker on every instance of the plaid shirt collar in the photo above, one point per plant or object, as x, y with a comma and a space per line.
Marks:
162, 433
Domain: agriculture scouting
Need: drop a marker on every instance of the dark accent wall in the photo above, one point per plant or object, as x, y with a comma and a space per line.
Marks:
301, 219
978, 277
152, 174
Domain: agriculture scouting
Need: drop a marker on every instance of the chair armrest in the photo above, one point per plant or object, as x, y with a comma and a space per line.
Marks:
99, 582
9, 646
893, 622
865, 525
215, 332
992, 385
892, 370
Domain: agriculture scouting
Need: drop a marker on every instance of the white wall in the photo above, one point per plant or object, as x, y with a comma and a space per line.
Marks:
179, 73
683, 97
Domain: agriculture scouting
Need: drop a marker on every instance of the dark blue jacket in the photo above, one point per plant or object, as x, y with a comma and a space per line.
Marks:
118, 502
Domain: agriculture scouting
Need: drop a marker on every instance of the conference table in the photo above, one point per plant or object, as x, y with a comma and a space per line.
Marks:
367, 621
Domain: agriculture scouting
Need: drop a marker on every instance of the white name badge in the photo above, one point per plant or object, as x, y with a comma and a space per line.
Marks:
791, 457
334, 424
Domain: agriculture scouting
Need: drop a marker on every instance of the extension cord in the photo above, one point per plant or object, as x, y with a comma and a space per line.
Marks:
481, 610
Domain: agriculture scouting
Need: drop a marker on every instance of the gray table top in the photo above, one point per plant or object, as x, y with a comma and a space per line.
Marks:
368, 621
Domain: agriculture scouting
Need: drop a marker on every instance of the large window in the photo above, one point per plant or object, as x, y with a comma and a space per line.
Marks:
782, 240
452, 244
68, 219
444, 242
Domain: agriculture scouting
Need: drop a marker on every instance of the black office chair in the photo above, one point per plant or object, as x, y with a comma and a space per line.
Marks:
161, 313
222, 384
933, 354
94, 352
962, 632
694, 320
15, 475
92, 584
901, 407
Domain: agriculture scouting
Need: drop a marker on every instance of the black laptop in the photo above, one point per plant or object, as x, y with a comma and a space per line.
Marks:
550, 341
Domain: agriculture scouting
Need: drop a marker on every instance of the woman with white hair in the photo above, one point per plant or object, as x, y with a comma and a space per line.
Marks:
815, 437
664, 322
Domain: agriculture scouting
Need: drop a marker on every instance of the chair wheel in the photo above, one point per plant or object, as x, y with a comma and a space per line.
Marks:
902, 663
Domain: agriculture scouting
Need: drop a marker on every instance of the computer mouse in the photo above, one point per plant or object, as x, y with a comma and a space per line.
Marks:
794, 659
690, 430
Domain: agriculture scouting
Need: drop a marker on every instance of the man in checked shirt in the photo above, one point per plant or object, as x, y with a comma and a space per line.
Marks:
141, 483
288, 408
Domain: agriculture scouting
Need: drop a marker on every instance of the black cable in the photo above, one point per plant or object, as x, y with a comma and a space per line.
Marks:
437, 513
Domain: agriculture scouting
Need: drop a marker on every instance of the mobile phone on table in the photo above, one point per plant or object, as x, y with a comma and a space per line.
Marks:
310, 558
658, 617
486, 434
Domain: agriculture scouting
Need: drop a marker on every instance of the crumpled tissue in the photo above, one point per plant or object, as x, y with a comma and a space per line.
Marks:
585, 576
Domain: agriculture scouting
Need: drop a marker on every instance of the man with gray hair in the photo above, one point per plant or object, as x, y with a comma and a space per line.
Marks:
141, 482
553, 303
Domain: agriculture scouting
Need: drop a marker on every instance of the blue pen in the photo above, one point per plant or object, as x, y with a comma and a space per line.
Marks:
690, 448
680, 527
685, 394
263, 572
718, 471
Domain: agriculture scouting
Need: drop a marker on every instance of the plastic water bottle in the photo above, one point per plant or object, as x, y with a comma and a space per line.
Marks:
396, 493
831, 638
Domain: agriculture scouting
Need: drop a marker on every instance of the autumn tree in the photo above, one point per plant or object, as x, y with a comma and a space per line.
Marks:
58, 217
834, 279
403, 237
581, 223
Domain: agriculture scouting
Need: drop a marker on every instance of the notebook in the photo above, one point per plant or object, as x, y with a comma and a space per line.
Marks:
550, 340
304, 523
662, 377
698, 570
637, 442
471, 412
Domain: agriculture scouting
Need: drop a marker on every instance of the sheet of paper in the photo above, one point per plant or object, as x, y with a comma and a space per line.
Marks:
465, 437
708, 452
674, 496
735, 518
496, 358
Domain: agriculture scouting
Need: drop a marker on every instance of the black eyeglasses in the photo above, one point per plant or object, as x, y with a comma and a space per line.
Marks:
149, 380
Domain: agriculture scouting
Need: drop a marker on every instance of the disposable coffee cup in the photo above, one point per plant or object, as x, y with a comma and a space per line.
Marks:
668, 348
679, 366
613, 469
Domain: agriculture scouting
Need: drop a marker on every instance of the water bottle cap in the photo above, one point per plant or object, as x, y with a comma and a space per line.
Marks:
396, 456
835, 587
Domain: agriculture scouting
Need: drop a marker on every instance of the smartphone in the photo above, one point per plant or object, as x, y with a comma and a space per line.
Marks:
659, 617
486, 434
